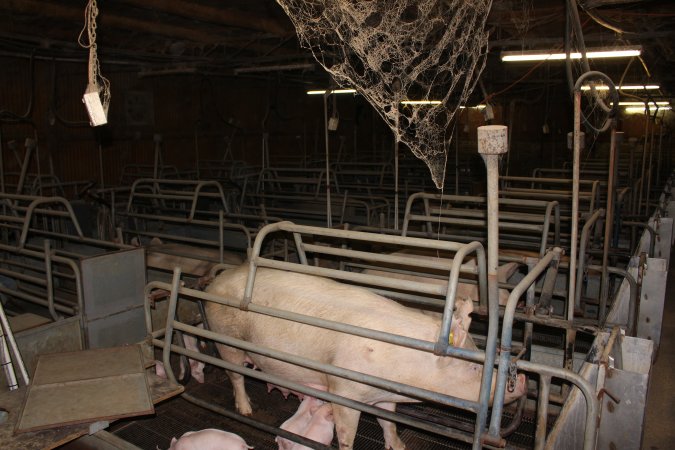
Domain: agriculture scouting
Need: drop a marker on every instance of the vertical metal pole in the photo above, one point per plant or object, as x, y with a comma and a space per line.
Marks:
30, 146
2, 166
158, 142
396, 147
644, 162
329, 213
609, 221
570, 334
457, 133
221, 239
658, 159
4, 323
492, 142
50, 282
649, 169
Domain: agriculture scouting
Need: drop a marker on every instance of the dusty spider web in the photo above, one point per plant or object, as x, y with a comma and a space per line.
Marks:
392, 51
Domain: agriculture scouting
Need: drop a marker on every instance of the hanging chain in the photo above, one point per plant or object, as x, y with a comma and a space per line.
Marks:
96, 80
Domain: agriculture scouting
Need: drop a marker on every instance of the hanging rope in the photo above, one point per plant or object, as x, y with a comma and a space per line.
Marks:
97, 82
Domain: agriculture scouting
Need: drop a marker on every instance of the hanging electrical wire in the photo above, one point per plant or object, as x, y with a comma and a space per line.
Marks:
597, 115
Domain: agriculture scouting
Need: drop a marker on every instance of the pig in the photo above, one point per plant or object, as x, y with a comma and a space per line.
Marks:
299, 421
195, 261
465, 291
328, 299
209, 439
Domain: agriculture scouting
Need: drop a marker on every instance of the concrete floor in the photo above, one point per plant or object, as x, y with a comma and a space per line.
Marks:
659, 432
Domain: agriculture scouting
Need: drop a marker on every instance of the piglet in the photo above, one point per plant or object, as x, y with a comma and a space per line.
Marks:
209, 439
299, 422
196, 367
320, 428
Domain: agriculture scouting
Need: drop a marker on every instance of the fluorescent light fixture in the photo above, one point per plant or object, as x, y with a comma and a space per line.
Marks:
628, 87
663, 103
421, 102
539, 55
472, 107
334, 91
641, 109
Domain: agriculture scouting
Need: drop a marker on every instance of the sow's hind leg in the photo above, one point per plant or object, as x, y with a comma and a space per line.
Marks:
237, 357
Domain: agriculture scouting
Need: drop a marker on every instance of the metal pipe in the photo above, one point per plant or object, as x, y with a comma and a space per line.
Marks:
542, 411
4, 323
649, 168
50, 281
644, 161
658, 159
631, 326
329, 214
396, 149
492, 142
615, 142
157, 138
30, 147
590, 223
575, 205
507, 335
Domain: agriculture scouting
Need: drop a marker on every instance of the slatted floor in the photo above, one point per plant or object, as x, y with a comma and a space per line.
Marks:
175, 417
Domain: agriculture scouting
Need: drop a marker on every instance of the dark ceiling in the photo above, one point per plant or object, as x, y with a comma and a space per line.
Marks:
255, 38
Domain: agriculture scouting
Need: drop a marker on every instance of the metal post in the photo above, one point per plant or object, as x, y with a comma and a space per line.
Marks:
396, 147
329, 213
492, 142
30, 146
570, 334
157, 138
658, 159
644, 162
615, 142
649, 168
2, 166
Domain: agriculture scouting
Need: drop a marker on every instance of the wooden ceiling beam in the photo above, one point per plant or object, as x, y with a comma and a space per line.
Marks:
222, 16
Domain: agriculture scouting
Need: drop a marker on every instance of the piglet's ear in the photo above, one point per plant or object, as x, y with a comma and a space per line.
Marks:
155, 241
135, 242
458, 334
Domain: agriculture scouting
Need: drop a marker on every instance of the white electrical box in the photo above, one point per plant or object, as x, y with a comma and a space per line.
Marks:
92, 100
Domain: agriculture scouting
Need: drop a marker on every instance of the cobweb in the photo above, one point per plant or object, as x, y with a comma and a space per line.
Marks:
399, 50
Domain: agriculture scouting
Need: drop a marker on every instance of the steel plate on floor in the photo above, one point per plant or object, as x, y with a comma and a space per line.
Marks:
86, 386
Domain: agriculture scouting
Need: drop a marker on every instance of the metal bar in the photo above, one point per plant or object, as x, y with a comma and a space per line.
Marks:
582, 254
609, 222
542, 411
329, 214
30, 146
575, 206
50, 282
4, 323
507, 335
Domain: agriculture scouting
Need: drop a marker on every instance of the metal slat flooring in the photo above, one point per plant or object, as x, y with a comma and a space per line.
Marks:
177, 416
